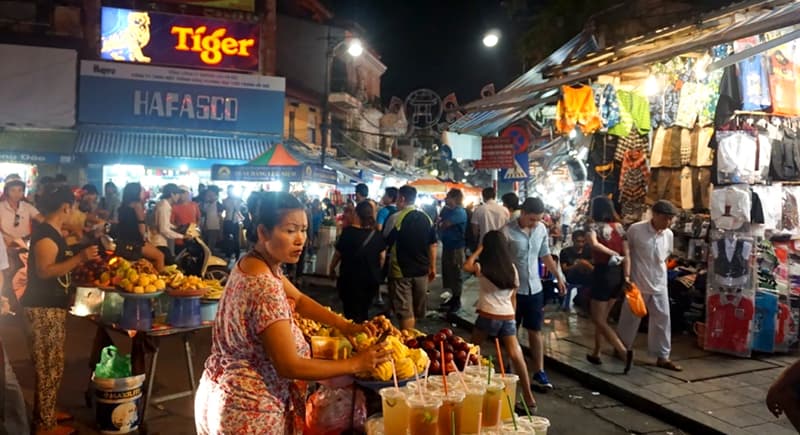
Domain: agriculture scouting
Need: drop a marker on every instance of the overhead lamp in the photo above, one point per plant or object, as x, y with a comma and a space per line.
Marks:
652, 86
490, 39
355, 48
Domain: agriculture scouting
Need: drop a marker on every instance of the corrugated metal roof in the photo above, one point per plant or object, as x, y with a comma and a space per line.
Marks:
174, 145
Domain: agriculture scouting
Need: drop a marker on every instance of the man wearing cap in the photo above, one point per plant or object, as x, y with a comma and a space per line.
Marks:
529, 242
163, 232
650, 244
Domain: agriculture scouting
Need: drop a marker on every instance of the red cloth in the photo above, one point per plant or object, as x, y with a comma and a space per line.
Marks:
784, 323
611, 238
185, 213
728, 323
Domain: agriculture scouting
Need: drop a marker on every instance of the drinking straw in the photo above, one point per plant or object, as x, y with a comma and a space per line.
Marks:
513, 414
461, 377
489, 371
394, 376
444, 368
452, 422
427, 368
499, 356
419, 384
527, 411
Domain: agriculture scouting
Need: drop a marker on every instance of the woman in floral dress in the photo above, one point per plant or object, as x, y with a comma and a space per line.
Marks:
254, 380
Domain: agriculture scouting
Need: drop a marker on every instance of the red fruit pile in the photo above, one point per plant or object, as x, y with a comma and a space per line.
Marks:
456, 351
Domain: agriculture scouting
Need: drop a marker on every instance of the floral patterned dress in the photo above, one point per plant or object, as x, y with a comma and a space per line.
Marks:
240, 391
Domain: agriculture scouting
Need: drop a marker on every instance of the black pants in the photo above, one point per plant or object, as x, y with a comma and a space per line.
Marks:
169, 259
230, 235
356, 302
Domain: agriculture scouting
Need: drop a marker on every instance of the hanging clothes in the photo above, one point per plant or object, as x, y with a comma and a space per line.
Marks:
701, 154
783, 84
666, 151
634, 141
731, 206
694, 100
730, 97
785, 159
728, 323
732, 262
665, 183
633, 185
634, 114
605, 98
603, 170
577, 108
664, 107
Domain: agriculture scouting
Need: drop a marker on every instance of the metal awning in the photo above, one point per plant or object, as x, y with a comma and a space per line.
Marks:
736, 21
171, 144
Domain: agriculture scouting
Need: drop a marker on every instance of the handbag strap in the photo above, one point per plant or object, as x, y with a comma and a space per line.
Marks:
366, 241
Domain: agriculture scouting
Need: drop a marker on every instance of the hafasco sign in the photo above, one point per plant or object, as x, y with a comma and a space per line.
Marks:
150, 96
152, 37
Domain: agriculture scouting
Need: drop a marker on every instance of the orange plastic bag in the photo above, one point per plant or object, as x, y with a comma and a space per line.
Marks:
635, 300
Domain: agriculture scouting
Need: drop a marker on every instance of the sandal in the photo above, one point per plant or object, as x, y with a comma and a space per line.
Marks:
669, 365
628, 361
520, 410
593, 359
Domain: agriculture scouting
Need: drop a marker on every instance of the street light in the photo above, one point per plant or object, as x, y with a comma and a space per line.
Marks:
491, 38
354, 49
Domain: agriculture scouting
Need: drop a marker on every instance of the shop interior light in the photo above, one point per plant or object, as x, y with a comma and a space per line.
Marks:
573, 134
435, 172
355, 48
652, 86
184, 167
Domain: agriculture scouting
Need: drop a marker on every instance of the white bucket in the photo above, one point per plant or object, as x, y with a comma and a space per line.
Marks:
118, 404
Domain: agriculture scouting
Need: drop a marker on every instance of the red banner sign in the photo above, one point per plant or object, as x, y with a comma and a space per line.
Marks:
496, 153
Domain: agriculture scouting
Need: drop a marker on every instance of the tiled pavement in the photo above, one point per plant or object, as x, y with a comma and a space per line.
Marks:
714, 394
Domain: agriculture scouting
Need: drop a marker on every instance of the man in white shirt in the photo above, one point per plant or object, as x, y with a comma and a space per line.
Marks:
163, 231
650, 245
231, 225
488, 216
16, 214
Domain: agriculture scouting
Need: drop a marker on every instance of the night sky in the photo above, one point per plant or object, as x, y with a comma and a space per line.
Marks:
435, 44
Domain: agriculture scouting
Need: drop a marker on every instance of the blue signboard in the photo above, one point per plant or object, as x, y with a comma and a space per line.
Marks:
521, 139
35, 157
270, 173
146, 96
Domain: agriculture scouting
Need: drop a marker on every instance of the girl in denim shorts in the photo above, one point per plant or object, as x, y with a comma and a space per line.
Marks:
498, 279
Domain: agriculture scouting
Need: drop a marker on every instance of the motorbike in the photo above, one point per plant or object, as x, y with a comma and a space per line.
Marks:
197, 258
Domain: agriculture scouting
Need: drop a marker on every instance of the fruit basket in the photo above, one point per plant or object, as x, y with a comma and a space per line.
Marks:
176, 293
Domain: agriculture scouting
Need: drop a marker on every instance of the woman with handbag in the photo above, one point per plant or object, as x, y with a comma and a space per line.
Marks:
131, 232
609, 253
361, 250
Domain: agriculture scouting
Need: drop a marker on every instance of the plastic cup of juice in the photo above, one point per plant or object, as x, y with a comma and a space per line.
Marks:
450, 412
472, 407
423, 414
510, 381
492, 402
395, 410
540, 425
478, 371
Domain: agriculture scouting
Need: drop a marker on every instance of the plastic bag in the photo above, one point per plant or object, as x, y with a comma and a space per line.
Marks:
331, 411
635, 300
112, 365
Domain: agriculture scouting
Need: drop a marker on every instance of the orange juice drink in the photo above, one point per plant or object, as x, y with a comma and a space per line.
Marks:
423, 414
395, 410
492, 401
510, 382
472, 407
450, 412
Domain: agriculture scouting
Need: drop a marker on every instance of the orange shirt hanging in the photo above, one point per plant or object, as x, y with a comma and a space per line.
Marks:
577, 108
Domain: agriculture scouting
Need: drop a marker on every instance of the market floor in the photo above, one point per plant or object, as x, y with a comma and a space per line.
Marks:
571, 408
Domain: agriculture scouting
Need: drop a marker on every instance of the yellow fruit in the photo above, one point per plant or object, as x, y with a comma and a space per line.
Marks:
150, 288
138, 289
160, 284
124, 283
144, 280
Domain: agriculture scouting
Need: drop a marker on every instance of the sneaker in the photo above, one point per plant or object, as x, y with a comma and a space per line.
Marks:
541, 382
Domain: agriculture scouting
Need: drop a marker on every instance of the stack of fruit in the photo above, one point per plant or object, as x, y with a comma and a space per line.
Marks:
406, 360
135, 277
213, 289
456, 351
93, 273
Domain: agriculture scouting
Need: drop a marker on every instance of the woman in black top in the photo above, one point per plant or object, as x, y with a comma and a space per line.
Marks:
46, 300
361, 251
131, 230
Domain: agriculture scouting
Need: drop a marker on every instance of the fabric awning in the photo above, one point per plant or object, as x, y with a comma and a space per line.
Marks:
169, 144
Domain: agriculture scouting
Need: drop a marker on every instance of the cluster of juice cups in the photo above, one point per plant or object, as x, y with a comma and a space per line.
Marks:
475, 401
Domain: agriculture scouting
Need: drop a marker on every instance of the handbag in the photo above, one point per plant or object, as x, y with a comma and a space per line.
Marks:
635, 300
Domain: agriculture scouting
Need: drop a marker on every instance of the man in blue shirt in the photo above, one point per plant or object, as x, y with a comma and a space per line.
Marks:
529, 241
452, 231
389, 208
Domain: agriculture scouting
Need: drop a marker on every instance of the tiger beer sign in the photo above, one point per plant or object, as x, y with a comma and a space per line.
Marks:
152, 37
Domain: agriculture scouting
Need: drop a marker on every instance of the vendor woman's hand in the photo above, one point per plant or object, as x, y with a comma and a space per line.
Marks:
89, 253
366, 360
352, 329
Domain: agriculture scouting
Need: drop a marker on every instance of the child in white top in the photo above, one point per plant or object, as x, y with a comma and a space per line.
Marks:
498, 278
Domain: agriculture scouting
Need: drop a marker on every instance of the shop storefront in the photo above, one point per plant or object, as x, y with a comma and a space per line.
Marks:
158, 124
36, 131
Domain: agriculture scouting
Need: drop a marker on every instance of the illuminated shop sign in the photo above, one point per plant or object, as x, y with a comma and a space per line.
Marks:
152, 37
150, 96
242, 5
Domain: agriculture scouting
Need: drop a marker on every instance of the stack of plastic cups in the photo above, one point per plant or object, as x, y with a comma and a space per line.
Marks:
472, 408
451, 412
492, 404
